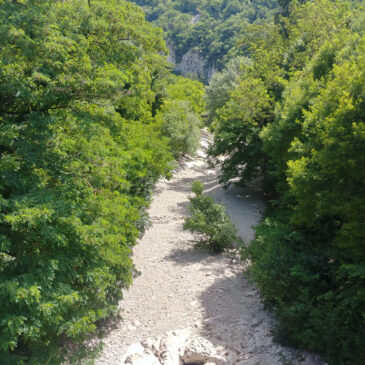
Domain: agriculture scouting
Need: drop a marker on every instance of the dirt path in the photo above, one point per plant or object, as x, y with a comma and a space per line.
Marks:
181, 287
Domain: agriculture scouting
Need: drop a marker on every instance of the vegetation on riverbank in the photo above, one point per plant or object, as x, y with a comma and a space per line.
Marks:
294, 115
211, 222
85, 94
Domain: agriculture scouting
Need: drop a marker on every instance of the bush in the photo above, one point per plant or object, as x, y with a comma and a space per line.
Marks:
318, 302
211, 221
181, 126
182, 103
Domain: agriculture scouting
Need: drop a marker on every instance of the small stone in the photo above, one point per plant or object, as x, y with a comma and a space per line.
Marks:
197, 324
144, 359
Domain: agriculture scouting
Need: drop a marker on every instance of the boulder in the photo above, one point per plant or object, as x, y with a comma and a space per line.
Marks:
198, 350
171, 346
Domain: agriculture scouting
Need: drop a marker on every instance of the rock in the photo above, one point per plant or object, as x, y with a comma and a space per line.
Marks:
248, 362
152, 345
197, 324
192, 62
136, 354
136, 348
213, 319
263, 359
201, 351
176, 348
171, 345
142, 359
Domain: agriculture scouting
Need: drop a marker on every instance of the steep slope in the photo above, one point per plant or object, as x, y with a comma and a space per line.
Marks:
202, 34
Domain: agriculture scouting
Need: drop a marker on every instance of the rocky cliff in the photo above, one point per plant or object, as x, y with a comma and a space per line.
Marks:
192, 62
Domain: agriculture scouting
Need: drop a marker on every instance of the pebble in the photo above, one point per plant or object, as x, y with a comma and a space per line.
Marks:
197, 324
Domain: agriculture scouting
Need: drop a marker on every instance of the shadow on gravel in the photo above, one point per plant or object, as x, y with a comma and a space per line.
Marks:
236, 318
181, 209
184, 184
233, 315
187, 256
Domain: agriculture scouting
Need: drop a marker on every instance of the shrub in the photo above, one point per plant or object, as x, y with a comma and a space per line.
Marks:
181, 126
318, 301
211, 221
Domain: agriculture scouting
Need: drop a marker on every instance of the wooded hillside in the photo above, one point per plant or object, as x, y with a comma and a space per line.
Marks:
217, 26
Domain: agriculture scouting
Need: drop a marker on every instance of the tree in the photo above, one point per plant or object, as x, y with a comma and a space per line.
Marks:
307, 257
211, 221
216, 32
221, 85
80, 151
181, 126
237, 131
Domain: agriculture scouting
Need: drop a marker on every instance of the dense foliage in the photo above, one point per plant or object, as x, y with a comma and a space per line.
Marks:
180, 114
212, 27
211, 222
83, 87
296, 117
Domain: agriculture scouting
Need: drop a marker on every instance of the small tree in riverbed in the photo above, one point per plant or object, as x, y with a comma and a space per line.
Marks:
211, 221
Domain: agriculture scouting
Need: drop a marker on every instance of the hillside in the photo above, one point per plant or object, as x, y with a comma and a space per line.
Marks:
202, 34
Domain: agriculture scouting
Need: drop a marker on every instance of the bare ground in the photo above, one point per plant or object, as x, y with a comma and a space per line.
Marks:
181, 287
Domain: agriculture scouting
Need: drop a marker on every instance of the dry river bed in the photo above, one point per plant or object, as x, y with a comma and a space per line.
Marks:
182, 287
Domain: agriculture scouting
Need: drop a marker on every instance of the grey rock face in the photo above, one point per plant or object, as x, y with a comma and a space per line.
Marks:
192, 62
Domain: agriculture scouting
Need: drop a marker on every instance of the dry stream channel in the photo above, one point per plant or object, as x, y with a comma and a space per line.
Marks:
183, 291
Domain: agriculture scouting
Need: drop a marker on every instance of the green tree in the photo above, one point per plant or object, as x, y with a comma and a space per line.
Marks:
308, 254
79, 153
211, 221
296, 118
181, 126
221, 85
179, 114
217, 30
237, 131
